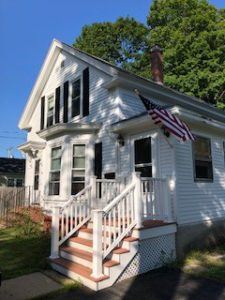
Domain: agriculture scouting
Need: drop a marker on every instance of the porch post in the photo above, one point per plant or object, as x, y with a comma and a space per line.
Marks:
167, 199
97, 244
93, 191
55, 233
138, 199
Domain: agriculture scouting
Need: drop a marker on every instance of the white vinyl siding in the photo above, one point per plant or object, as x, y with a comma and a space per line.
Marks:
200, 201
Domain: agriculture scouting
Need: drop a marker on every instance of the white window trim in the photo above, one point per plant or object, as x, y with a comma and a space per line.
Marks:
154, 137
79, 169
46, 110
76, 118
203, 180
56, 145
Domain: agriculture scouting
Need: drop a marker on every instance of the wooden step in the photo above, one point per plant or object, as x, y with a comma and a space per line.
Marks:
81, 241
77, 252
130, 239
120, 250
78, 269
87, 256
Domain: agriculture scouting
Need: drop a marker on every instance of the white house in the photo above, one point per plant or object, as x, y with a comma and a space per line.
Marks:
124, 196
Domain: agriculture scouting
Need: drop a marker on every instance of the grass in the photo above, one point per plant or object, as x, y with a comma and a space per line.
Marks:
21, 255
205, 263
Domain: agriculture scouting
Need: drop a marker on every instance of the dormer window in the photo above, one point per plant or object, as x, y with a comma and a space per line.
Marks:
50, 111
76, 98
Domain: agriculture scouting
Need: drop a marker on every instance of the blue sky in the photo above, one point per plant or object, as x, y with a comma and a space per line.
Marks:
26, 31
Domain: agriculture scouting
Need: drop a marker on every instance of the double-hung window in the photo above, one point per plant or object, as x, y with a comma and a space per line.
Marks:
203, 169
78, 169
143, 157
50, 111
76, 98
54, 180
36, 174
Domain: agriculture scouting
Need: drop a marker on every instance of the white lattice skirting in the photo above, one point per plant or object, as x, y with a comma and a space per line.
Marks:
153, 253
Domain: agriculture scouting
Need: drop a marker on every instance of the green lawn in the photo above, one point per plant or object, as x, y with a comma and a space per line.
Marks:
22, 255
206, 263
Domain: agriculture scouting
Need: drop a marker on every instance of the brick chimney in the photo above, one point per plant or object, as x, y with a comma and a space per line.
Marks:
157, 64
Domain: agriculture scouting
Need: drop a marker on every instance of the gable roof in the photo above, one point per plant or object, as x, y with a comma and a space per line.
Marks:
12, 165
118, 77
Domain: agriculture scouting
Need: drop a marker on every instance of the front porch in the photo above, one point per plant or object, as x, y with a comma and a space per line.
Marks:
98, 233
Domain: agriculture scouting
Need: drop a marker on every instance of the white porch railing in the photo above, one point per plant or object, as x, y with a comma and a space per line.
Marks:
69, 218
146, 198
115, 221
107, 190
156, 199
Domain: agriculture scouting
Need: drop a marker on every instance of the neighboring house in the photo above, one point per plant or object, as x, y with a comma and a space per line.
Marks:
12, 172
84, 119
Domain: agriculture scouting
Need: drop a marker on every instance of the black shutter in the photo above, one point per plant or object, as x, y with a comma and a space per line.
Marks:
86, 92
57, 104
42, 124
65, 101
98, 160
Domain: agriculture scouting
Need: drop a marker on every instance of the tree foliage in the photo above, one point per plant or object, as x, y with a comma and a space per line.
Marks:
191, 33
122, 42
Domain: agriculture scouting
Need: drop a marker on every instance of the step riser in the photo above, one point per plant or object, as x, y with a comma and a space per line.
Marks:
92, 285
80, 246
89, 236
76, 259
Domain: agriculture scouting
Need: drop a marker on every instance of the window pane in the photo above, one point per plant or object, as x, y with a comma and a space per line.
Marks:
203, 169
19, 182
79, 150
36, 182
202, 148
75, 107
143, 151
76, 89
37, 166
145, 171
76, 173
50, 121
56, 152
55, 176
202, 158
54, 188
79, 162
76, 187
56, 164
50, 103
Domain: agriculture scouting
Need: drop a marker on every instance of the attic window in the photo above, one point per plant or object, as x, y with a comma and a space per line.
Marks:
62, 65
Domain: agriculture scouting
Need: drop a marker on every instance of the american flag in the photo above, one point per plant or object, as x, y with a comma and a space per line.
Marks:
171, 123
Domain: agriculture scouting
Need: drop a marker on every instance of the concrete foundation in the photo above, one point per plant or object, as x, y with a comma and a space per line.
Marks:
199, 236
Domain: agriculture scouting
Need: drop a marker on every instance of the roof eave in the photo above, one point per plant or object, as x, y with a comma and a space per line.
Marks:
165, 93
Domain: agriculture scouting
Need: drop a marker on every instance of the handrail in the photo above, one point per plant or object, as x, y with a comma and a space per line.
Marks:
115, 222
107, 190
118, 198
71, 217
76, 196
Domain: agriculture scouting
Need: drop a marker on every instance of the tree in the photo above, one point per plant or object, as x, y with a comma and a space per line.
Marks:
192, 34
122, 42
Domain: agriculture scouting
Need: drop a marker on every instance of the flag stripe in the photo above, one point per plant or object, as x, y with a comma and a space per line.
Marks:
172, 123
